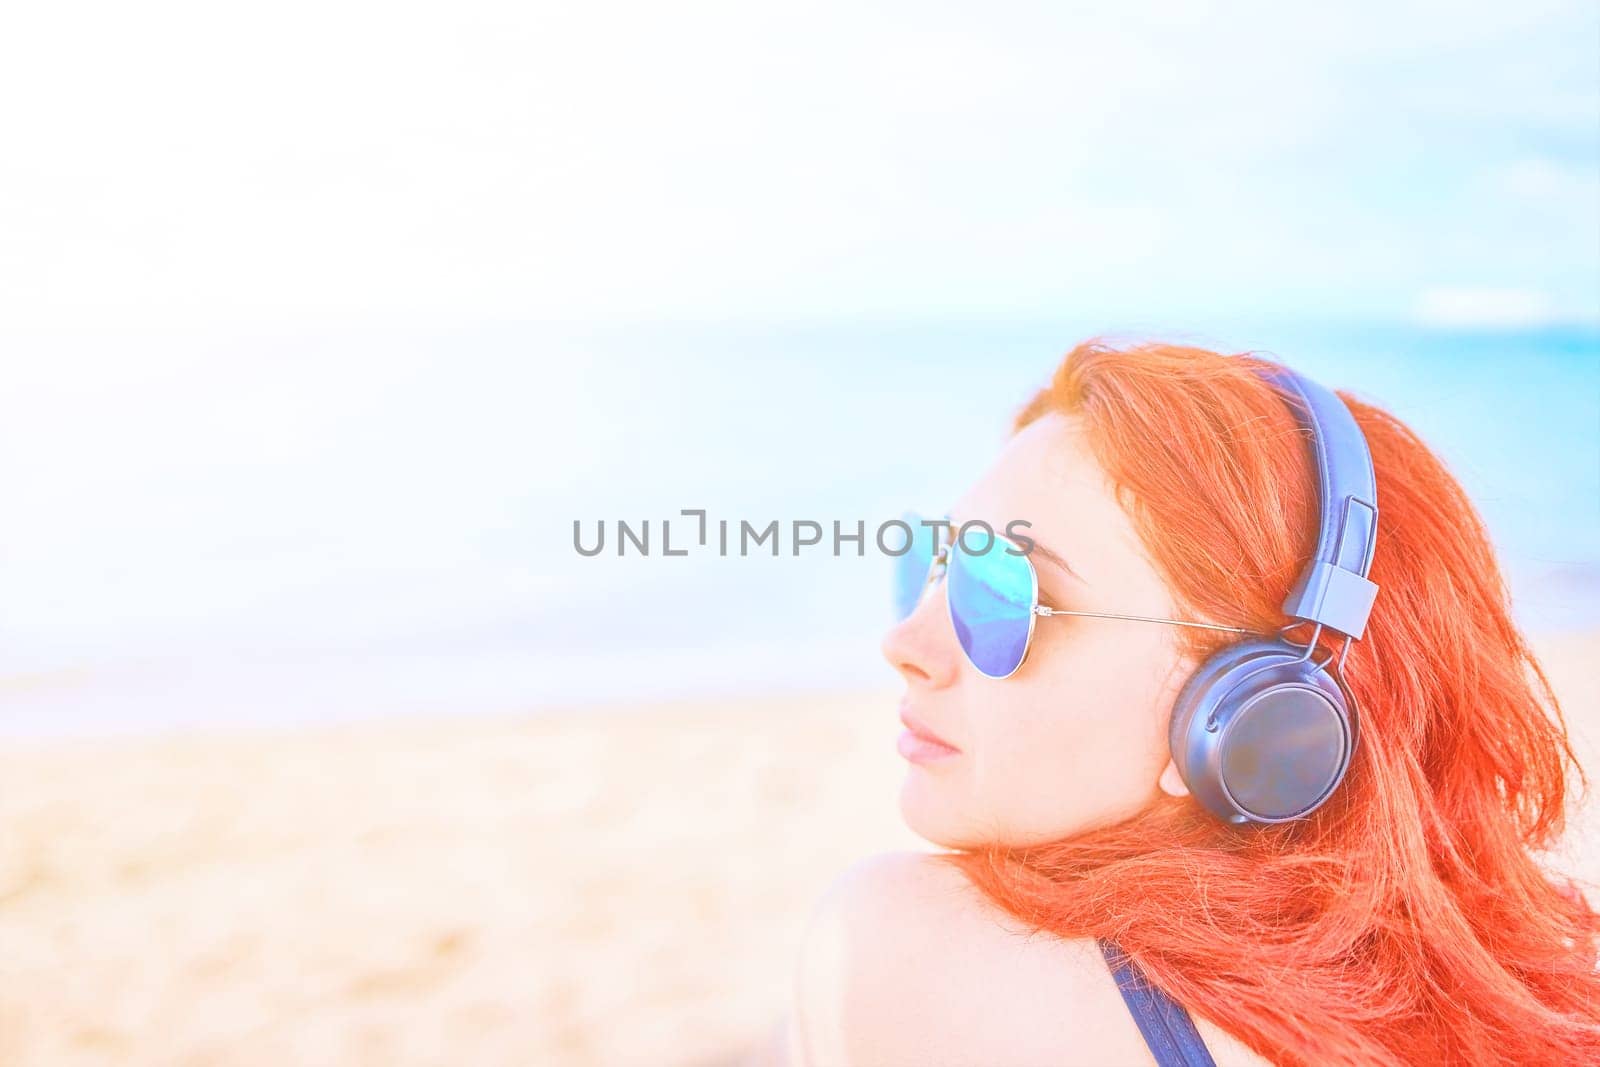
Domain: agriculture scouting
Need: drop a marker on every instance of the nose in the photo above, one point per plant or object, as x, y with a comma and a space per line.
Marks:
922, 645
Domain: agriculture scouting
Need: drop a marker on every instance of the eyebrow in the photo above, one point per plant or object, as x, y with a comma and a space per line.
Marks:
1050, 554
1039, 547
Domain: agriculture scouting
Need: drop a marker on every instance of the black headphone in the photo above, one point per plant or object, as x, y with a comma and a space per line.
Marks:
1263, 732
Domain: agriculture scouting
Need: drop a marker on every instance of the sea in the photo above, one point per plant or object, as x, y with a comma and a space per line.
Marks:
220, 529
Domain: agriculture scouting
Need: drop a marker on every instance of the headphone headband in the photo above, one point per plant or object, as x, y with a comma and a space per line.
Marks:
1264, 732
1333, 590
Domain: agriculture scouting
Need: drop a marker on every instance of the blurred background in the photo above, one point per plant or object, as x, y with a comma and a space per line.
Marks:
320, 326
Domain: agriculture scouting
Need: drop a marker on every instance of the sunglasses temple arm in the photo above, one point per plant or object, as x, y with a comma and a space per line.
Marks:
1042, 610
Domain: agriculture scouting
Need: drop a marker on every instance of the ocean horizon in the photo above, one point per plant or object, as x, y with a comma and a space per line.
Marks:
336, 524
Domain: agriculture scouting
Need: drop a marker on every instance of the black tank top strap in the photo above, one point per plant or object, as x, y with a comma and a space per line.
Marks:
1166, 1026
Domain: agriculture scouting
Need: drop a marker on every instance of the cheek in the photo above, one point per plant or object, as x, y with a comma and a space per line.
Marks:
1092, 713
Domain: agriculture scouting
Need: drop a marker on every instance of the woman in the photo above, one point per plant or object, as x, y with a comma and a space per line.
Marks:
1403, 919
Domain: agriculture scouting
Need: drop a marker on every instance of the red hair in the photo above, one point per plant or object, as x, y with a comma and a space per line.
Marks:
1408, 920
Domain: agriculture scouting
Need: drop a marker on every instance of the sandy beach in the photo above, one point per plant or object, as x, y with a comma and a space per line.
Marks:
618, 886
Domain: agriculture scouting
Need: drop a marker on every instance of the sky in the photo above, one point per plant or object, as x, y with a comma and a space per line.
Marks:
319, 323
193, 165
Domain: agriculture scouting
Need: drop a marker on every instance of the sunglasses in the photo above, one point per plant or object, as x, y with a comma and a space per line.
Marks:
993, 595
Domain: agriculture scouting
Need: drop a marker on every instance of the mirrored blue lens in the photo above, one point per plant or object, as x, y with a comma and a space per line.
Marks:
911, 568
991, 605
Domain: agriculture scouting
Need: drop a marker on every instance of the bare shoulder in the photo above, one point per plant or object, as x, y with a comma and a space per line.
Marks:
905, 962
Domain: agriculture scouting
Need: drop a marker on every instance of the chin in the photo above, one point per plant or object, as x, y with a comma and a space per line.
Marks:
926, 811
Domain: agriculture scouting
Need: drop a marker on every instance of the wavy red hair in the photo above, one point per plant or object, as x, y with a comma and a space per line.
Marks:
1410, 919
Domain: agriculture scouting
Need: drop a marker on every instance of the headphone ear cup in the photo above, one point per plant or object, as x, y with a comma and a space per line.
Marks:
1200, 686
1260, 733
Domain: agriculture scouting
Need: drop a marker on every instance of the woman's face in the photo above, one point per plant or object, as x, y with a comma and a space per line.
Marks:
1077, 737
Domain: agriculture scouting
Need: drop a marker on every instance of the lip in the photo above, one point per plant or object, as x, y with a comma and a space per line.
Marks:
920, 744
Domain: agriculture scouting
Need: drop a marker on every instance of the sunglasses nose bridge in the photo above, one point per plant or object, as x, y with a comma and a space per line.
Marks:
938, 567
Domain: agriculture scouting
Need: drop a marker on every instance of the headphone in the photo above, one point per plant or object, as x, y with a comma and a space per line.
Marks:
1263, 732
